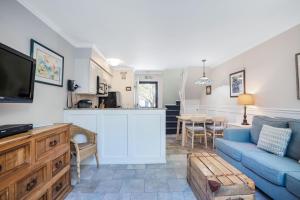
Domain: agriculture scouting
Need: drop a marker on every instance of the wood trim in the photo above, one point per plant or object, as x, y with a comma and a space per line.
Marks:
237, 111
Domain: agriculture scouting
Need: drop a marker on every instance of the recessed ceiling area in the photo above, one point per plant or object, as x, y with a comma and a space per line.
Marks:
161, 34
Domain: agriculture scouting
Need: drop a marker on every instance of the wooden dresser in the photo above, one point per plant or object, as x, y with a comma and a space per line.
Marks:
36, 164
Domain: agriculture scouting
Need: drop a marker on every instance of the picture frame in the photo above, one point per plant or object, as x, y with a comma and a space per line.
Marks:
237, 82
297, 59
208, 90
49, 64
128, 89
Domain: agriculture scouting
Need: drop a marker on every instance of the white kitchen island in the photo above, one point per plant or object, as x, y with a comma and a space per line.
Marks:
125, 136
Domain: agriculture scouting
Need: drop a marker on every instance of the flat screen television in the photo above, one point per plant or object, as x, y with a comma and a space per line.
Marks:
17, 72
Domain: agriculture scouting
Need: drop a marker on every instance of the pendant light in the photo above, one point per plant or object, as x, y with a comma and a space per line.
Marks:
203, 80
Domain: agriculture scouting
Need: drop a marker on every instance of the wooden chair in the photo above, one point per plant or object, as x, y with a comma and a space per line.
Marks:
83, 150
217, 128
197, 129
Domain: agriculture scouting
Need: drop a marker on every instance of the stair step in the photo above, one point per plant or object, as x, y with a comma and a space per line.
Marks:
172, 112
171, 118
171, 130
173, 107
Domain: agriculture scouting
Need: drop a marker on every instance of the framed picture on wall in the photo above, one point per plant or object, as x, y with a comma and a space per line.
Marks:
237, 83
49, 64
298, 74
208, 90
128, 88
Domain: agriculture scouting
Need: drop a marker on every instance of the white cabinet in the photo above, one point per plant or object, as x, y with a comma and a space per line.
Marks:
95, 71
125, 136
87, 69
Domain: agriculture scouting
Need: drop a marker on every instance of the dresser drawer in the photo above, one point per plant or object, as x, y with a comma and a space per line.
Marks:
4, 194
59, 163
59, 186
26, 185
14, 158
46, 144
44, 196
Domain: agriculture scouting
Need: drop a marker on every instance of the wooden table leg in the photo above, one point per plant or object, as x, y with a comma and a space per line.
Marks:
178, 129
183, 132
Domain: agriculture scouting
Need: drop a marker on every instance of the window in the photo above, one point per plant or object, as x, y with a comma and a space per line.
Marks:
147, 94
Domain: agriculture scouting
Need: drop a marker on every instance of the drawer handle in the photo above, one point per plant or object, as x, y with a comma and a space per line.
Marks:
31, 184
53, 143
58, 187
58, 164
0, 168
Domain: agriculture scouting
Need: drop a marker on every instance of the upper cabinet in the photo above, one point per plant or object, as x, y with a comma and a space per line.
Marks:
88, 66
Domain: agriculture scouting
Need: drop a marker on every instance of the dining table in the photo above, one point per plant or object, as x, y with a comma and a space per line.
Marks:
184, 119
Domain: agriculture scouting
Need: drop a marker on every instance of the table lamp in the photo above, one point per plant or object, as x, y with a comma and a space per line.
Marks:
245, 99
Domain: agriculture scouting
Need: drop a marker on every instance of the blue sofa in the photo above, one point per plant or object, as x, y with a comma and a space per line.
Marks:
278, 177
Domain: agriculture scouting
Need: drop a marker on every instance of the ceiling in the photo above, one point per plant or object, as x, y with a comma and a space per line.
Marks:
160, 34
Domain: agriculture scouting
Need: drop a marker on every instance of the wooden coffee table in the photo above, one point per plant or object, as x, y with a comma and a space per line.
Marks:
212, 178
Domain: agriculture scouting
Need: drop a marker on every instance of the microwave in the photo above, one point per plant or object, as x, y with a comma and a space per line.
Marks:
112, 100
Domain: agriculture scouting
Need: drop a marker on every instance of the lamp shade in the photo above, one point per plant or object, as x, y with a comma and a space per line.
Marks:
246, 99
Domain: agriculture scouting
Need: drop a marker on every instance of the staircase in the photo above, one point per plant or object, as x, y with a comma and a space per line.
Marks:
172, 111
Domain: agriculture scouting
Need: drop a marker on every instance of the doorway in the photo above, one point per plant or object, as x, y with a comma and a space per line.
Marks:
148, 94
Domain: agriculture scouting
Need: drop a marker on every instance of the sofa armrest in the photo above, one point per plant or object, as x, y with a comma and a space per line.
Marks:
237, 134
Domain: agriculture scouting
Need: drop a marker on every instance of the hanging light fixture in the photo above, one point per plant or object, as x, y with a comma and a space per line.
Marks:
203, 80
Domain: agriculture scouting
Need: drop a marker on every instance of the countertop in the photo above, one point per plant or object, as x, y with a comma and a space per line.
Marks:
115, 109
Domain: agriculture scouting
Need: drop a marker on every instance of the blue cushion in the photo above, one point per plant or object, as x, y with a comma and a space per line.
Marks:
259, 121
237, 134
293, 150
235, 149
270, 166
293, 183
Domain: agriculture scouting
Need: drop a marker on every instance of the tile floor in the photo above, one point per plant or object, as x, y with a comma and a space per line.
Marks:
139, 182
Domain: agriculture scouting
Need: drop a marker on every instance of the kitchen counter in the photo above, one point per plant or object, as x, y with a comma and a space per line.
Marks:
115, 109
124, 135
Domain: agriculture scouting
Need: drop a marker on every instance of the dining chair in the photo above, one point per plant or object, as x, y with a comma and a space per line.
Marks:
180, 121
197, 129
216, 128
85, 149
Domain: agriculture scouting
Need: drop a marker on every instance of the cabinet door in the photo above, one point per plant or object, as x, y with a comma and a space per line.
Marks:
93, 78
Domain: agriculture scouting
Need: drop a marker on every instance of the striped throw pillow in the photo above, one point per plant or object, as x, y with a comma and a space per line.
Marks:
274, 140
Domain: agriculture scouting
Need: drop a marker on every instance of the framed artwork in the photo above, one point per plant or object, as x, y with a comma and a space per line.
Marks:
208, 90
49, 64
128, 89
237, 83
298, 74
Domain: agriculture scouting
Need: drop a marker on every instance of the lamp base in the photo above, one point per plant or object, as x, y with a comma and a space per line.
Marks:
245, 122
245, 117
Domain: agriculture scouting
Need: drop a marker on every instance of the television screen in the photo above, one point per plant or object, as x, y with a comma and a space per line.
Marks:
16, 76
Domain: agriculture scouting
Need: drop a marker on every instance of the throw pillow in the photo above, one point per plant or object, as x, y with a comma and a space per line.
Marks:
258, 122
274, 140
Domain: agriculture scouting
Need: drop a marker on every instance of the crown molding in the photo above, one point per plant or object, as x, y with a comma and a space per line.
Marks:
47, 21
57, 29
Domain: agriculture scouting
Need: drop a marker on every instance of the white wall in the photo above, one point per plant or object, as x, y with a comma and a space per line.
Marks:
18, 26
119, 84
172, 82
270, 75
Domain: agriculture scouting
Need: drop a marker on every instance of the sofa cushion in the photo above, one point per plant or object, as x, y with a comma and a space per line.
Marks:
274, 140
293, 147
269, 166
259, 121
235, 149
293, 183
